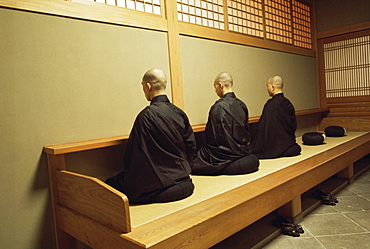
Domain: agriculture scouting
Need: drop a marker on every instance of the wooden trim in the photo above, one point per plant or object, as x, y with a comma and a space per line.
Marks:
310, 111
313, 27
349, 99
297, 113
92, 11
64, 148
343, 30
232, 209
321, 74
226, 15
346, 36
194, 30
174, 54
199, 127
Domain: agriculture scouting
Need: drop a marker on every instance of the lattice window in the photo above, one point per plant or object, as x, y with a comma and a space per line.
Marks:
245, 17
347, 67
209, 13
278, 20
149, 6
301, 25
286, 21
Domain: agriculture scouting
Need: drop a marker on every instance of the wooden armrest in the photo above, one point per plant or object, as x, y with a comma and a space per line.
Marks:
58, 149
95, 199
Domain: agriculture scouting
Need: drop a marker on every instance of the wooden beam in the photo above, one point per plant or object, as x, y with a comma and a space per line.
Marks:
174, 53
92, 11
237, 38
64, 148
343, 30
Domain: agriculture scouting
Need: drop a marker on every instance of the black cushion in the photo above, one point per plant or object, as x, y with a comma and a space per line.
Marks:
313, 138
335, 131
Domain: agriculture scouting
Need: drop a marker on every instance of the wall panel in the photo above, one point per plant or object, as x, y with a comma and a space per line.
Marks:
251, 68
61, 80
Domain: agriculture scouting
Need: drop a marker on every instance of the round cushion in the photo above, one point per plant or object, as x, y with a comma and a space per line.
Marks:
313, 138
335, 131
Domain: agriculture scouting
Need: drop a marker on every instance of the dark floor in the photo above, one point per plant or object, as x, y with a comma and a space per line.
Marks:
346, 225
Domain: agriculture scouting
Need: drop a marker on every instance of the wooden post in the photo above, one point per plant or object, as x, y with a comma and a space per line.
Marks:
173, 40
55, 163
347, 173
292, 208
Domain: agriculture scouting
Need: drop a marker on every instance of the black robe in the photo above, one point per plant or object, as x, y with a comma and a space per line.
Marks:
276, 128
161, 143
227, 135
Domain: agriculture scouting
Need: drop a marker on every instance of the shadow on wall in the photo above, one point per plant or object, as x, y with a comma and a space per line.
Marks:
99, 163
45, 234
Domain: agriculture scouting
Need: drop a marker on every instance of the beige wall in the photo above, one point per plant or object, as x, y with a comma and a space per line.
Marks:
61, 80
65, 79
250, 67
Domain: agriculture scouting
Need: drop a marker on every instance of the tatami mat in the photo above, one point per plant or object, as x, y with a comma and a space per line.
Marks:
209, 186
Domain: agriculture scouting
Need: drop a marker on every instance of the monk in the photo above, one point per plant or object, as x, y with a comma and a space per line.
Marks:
156, 166
275, 134
227, 149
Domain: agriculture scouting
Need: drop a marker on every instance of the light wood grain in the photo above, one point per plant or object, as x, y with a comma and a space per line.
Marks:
174, 55
92, 197
56, 163
205, 223
64, 148
91, 11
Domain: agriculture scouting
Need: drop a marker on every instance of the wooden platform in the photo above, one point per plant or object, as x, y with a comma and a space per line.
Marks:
100, 216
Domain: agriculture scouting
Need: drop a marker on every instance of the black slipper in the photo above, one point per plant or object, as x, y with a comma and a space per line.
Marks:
326, 198
287, 226
291, 231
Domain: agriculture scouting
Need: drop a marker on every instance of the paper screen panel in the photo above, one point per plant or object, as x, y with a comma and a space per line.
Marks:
209, 13
347, 67
301, 25
245, 17
149, 6
278, 20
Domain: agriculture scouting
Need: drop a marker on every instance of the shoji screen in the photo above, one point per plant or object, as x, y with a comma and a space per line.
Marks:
347, 67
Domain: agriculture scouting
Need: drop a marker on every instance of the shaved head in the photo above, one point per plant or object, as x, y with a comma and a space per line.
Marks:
156, 77
225, 78
277, 81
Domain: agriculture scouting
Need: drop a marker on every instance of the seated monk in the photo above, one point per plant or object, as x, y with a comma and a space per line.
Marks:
156, 166
275, 134
227, 150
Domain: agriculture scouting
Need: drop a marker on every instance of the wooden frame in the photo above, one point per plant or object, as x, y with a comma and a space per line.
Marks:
348, 32
197, 224
87, 10
353, 113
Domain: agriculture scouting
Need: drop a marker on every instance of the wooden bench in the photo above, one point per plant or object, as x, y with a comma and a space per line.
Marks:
87, 209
